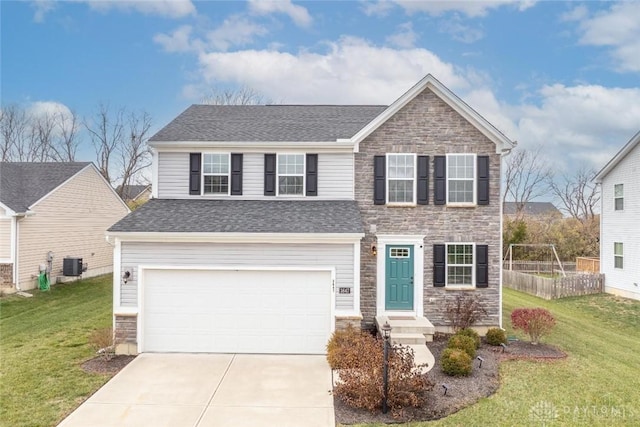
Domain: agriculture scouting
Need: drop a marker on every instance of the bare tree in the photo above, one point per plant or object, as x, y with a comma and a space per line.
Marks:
66, 139
106, 131
242, 96
13, 130
578, 194
135, 156
526, 177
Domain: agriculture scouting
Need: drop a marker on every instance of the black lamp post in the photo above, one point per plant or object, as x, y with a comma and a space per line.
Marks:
386, 334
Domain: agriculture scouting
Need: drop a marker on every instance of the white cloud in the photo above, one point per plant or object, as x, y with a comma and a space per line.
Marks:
167, 8
41, 8
404, 37
459, 31
377, 8
351, 71
618, 28
179, 40
578, 13
469, 8
298, 14
236, 30
58, 112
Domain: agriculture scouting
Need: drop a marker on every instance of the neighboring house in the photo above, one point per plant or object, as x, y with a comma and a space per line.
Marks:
270, 226
619, 219
51, 211
135, 193
532, 209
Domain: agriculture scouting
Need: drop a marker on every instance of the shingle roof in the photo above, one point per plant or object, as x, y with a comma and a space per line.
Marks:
532, 208
132, 191
246, 123
243, 216
22, 184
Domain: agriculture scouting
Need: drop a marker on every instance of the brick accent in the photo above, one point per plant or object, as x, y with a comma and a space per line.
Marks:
6, 274
126, 329
342, 322
428, 126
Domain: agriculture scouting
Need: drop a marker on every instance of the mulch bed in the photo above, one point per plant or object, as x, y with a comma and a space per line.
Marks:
99, 365
462, 391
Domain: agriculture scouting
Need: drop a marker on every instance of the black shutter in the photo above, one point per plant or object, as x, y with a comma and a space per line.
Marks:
440, 180
482, 266
379, 184
195, 162
439, 265
483, 180
312, 175
269, 174
236, 174
423, 180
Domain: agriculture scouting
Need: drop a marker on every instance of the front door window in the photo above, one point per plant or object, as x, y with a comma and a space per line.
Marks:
399, 278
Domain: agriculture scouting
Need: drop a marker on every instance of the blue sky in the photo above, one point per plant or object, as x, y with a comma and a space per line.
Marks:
561, 75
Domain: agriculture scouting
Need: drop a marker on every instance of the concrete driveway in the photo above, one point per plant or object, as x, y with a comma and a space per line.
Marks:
205, 390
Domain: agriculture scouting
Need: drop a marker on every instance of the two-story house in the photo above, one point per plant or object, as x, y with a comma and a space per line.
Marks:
619, 217
270, 226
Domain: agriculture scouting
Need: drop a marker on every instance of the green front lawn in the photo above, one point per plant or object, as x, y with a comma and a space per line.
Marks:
597, 385
43, 341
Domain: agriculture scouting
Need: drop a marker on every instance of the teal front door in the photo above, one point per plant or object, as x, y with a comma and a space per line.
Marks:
399, 278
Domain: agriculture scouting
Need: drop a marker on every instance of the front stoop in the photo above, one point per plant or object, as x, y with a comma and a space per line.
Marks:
413, 332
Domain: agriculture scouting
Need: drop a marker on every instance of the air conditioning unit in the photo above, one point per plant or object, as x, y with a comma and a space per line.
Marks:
72, 266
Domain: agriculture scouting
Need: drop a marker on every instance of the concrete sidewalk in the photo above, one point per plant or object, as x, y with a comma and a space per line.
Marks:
206, 390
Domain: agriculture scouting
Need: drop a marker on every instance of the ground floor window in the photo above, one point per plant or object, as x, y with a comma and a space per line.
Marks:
460, 264
618, 255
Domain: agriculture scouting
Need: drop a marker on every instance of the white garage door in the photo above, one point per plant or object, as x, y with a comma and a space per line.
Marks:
236, 311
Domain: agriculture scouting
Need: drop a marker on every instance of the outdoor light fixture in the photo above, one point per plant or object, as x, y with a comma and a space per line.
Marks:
504, 346
446, 388
386, 334
481, 360
374, 249
125, 276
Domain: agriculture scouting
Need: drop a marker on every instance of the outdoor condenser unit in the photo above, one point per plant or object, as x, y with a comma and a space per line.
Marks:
72, 266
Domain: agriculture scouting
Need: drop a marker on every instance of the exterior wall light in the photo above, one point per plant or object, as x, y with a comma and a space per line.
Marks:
374, 249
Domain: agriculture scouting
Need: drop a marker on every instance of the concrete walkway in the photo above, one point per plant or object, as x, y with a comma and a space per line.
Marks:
206, 390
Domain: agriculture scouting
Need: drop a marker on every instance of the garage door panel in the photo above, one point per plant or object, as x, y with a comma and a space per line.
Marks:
236, 311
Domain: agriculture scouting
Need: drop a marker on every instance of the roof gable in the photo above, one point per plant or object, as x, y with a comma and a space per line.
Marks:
431, 83
22, 184
628, 147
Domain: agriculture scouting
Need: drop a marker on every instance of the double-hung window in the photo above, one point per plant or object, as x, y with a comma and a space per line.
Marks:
461, 179
460, 267
291, 174
215, 173
401, 178
618, 255
618, 196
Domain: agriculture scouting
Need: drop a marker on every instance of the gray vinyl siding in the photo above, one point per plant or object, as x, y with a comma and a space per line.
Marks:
335, 176
339, 256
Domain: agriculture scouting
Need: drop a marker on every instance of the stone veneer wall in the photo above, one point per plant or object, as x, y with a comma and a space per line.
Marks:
126, 334
6, 274
428, 126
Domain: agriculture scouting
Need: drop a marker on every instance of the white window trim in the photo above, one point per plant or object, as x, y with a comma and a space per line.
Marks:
475, 180
304, 174
615, 198
415, 180
203, 174
446, 266
616, 256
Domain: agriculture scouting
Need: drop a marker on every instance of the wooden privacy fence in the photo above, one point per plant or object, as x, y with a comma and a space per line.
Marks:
588, 265
570, 286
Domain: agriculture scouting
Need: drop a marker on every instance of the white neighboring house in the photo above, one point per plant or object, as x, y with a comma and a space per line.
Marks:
619, 221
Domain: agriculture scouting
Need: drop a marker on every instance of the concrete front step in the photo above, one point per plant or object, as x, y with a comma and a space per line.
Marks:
408, 325
407, 338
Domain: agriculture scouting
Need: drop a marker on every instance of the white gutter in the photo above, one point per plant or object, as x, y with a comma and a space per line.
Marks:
505, 152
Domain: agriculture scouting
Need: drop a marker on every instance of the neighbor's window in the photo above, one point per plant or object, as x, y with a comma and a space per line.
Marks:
460, 264
461, 176
401, 173
618, 255
290, 174
215, 171
618, 196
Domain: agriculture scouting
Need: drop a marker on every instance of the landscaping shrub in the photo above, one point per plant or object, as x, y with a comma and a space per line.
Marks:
464, 343
456, 362
496, 336
535, 322
468, 332
101, 341
361, 383
464, 311
342, 347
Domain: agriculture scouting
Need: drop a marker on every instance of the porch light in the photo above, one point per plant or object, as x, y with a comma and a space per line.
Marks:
374, 249
125, 276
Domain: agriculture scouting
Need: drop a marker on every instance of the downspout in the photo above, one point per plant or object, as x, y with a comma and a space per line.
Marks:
16, 260
504, 153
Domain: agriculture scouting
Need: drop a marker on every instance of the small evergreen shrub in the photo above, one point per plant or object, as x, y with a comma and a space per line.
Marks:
535, 322
464, 343
471, 334
496, 336
456, 362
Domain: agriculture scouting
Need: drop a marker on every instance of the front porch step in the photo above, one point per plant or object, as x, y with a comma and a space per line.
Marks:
408, 325
408, 338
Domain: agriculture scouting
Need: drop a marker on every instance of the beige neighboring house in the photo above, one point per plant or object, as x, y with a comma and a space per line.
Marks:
136, 193
53, 211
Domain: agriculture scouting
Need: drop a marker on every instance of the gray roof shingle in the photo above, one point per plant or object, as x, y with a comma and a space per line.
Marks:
22, 183
243, 216
250, 123
532, 208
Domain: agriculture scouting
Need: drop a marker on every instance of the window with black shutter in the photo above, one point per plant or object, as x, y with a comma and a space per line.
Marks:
312, 175
440, 180
236, 174
269, 174
483, 180
379, 184
195, 164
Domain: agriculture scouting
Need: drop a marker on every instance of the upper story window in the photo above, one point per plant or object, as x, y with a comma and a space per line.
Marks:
215, 173
618, 255
401, 174
460, 265
291, 174
618, 197
461, 178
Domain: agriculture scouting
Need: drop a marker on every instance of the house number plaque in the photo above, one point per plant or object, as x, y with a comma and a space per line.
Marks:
344, 291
